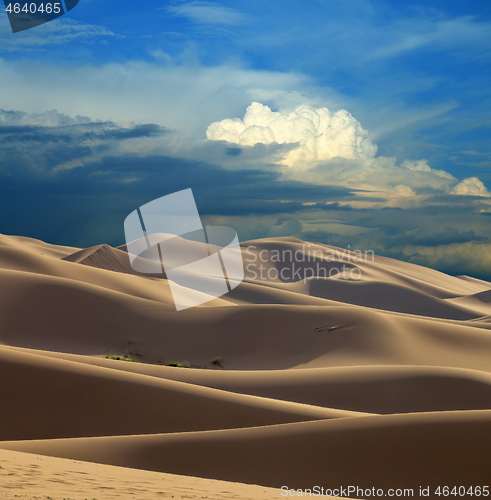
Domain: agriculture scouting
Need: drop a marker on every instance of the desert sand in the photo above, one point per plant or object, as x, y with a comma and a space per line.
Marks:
24, 475
379, 381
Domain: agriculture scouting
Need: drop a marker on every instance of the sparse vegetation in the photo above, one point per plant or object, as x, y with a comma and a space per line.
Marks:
112, 356
218, 361
126, 357
175, 363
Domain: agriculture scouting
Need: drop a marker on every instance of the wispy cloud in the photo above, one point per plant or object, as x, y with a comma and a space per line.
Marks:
57, 32
471, 158
411, 118
462, 33
186, 97
208, 13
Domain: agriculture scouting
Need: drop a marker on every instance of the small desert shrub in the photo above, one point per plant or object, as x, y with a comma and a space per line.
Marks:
126, 357
175, 363
111, 356
217, 361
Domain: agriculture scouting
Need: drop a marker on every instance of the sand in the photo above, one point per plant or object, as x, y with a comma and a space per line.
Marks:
25, 475
380, 381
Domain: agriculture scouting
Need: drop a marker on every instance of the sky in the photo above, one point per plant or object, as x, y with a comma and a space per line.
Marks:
360, 123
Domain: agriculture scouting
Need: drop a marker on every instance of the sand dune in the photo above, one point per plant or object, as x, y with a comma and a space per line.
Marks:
36, 246
102, 257
91, 320
53, 313
382, 380
395, 451
370, 389
99, 401
389, 297
374, 268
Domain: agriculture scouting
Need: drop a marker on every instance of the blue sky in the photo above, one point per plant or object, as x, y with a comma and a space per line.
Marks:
109, 107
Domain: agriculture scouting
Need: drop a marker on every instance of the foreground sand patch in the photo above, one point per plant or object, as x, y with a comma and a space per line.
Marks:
24, 475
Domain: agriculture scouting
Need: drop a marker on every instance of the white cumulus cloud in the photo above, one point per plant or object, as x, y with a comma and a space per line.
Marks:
333, 148
422, 166
321, 134
471, 186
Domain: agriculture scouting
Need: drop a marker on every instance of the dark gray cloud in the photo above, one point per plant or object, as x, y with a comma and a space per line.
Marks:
72, 181
393, 242
25, 146
437, 244
233, 151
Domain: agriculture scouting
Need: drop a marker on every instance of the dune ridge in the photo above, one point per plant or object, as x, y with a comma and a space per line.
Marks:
127, 403
374, 451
